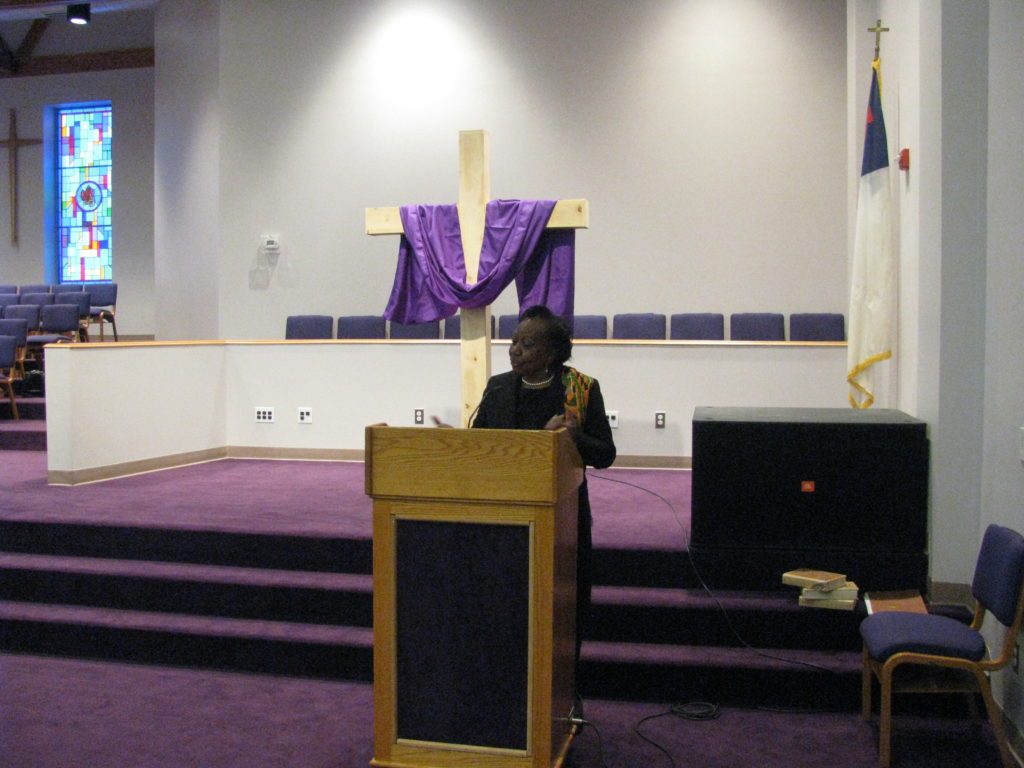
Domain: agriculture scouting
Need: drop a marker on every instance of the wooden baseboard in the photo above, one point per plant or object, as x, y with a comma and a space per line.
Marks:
294, 454
110, 471
654, 462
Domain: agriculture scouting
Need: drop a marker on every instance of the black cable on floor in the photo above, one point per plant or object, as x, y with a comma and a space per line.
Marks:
579, 721
695, 710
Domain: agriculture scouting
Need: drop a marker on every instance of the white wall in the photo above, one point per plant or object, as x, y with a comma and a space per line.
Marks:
1002, 476
180, 397
709, 138
187, 261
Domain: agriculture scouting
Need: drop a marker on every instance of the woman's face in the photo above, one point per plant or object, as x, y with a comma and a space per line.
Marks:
530, 353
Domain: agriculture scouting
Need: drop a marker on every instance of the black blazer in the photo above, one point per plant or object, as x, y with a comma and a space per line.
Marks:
497, 410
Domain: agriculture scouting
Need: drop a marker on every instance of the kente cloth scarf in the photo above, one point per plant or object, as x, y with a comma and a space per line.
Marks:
577, 393
430, 280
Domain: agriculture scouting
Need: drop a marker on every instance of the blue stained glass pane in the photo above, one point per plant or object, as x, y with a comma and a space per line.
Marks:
85, 194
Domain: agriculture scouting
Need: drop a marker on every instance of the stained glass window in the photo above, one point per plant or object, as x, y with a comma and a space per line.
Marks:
85, 194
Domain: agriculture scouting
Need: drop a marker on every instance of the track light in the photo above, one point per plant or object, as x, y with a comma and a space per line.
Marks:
78, 13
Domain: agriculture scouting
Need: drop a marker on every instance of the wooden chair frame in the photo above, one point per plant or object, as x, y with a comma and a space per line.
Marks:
941, 674
7, 378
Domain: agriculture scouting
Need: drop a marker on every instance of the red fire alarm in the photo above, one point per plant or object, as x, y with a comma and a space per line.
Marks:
807, 486
904, 159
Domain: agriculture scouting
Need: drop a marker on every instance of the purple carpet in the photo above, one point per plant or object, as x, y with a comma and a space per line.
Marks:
311, 498
239, 589
61, 713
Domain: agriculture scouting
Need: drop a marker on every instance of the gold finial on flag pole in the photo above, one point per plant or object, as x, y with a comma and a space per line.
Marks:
878, 29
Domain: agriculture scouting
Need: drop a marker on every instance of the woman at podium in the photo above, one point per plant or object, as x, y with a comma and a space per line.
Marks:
542, 392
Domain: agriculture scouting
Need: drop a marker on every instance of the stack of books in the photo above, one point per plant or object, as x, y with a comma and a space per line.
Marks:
823, 589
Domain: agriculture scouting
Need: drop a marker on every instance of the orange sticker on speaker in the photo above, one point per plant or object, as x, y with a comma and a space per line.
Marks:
807, 486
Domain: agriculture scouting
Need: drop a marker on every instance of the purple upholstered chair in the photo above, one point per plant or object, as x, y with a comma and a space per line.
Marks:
453, 327
362, 327
104, 306
953, 655
309, 327
817, 326
589, 327
18, 328
7, 299
37, 297
638, 325
58, 323
701, 326
27, 312
757, 326
431, 330
8, 288
37, 288
507, 326
83, 301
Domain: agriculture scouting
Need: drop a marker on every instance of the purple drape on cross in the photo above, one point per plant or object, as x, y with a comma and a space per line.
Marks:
430, 281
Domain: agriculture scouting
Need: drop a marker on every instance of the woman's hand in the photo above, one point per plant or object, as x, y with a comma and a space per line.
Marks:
562, 420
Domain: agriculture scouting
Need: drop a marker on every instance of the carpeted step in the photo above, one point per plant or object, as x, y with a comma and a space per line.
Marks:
29, 408
828, 680
247, 550
266, 647
243, 593
721, 618
22, 435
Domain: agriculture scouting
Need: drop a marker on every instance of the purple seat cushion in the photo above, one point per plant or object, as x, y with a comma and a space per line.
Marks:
894, 632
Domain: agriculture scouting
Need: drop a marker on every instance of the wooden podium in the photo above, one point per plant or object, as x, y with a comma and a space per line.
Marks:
474, 590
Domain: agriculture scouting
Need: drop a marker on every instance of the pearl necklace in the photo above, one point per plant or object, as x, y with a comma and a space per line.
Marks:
539, 384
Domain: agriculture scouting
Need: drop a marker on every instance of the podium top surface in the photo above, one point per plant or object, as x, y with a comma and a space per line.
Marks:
479, 465
804, 415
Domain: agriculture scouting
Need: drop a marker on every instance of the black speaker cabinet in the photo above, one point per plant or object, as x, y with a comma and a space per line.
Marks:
834, 489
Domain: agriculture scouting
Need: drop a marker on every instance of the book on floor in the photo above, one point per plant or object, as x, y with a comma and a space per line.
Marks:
808, 578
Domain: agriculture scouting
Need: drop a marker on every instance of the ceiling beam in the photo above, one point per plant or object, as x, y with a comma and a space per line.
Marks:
8, 62
131, 58
31, 40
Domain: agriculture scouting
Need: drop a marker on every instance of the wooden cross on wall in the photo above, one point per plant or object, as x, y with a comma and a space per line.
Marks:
13, 144
474, 194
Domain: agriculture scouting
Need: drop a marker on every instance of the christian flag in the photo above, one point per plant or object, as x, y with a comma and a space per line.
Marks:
872, 317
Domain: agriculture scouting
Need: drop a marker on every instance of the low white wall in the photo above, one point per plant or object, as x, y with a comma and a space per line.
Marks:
118, 404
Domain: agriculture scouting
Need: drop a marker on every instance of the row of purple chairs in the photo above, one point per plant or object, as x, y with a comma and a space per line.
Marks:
24, 330
40, 288
97, 302
367, 327
744, 326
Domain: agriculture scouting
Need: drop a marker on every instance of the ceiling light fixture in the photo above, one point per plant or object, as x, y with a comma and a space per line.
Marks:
78, 13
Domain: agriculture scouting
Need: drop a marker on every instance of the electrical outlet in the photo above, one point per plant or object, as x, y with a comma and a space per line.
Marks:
613, 419
417, 416
264, 414
659, 419
305, 415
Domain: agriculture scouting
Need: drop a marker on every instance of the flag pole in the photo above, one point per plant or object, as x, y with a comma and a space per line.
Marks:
874, 273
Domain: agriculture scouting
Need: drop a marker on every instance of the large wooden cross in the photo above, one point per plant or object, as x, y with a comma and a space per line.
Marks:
13, 144
474, 193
